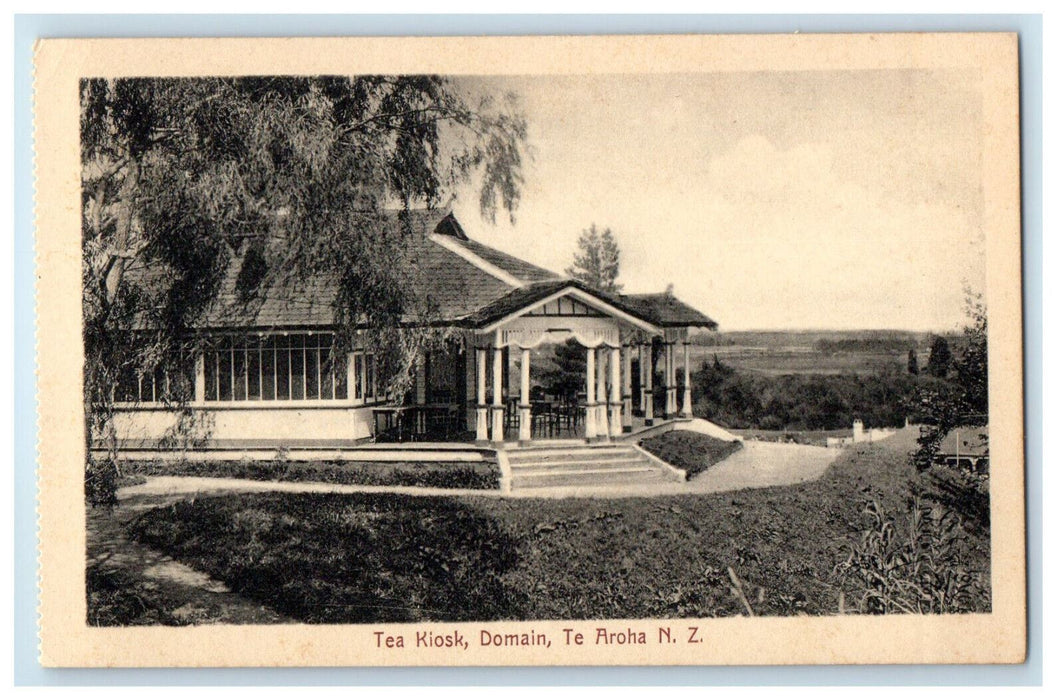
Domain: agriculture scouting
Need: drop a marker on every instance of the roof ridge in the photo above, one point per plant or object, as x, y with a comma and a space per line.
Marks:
514, 258
454, 246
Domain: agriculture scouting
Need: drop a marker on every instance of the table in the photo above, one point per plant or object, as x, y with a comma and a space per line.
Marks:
414, 422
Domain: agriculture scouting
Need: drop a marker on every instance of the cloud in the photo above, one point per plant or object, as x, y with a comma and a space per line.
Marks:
794, 200
778, 238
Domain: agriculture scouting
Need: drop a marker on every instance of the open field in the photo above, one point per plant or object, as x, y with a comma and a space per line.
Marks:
375, 557
812, 352
800, 361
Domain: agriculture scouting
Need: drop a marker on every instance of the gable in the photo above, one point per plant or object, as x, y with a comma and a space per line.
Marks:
564, 306
566, 298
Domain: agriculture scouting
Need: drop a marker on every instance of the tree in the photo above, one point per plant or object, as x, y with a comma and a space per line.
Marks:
568, 376
971, 367
286, 176
940, 360
962, 401
914, 366
597, 261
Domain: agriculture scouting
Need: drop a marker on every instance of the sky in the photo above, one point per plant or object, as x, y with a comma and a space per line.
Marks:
783, 200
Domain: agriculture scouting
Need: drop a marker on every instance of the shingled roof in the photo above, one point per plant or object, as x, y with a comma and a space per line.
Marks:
467, 283
517, 267
456, 285
528, 295
667, 311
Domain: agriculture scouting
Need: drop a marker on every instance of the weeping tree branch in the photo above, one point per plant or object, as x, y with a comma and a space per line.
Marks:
184, 178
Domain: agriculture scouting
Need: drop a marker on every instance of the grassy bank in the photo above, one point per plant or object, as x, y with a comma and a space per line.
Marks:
692, 452
376, 557
456, 475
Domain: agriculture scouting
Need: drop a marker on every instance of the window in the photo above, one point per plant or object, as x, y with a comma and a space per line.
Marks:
163, 385
294, 367
367, 378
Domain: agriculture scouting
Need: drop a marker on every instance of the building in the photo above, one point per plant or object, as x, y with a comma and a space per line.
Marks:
966, 447
267, 374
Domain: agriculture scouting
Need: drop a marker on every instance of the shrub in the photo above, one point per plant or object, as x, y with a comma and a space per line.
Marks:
801, 402
101, 483
914, 567
454, 475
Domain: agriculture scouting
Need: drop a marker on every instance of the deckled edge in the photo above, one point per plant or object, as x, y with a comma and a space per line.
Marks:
38, 559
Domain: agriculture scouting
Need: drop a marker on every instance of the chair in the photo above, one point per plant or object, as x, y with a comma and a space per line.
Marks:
513, 413
542, 418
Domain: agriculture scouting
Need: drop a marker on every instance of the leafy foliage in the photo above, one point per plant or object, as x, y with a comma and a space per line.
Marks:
101, 482
454, 475
961, 398
287, 176
940, 359
799, 402
597, 261
567, 376
690, 451
917, 568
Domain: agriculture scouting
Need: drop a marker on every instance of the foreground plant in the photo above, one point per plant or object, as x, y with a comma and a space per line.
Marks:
913, 568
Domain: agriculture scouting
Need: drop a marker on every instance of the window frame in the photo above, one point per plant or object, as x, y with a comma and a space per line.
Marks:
359, 376
156, 384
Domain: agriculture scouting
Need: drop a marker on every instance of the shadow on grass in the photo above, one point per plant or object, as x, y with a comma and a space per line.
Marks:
116, 599
339, 558
364, 558
963, 495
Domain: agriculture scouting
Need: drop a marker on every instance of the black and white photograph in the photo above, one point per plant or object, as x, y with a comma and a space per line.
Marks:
409, 350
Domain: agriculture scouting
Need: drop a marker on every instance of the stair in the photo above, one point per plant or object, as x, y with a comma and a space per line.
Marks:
580, 465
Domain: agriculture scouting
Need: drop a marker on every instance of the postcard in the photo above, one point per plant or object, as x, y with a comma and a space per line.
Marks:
510, 351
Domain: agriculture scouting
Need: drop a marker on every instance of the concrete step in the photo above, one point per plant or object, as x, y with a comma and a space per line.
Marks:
589, 477
533, 456
587, 465
618, 462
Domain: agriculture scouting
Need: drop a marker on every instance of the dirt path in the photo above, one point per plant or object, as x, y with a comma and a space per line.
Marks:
133, 584
761, 464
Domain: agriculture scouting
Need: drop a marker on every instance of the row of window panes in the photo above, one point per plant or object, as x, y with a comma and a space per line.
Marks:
282, 368
271, 368
157, 386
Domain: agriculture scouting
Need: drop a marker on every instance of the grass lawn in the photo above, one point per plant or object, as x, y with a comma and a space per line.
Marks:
457, 475
118, 599
383, 557
690, 451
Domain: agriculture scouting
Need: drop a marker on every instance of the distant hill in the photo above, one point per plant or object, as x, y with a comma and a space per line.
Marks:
886, 341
